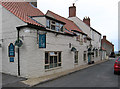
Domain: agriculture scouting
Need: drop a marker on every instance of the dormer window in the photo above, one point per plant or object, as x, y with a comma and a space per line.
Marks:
48, 24
54, 25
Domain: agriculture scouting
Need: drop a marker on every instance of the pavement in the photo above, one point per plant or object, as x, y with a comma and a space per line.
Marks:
13, 81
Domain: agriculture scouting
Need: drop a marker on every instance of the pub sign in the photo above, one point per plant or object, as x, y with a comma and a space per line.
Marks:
42, 40
11, 50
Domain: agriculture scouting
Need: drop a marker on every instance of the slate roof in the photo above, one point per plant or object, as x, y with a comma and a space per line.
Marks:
70, 25
23, 10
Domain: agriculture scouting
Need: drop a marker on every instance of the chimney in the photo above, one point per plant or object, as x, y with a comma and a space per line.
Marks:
104, 37
86, 20
72, 11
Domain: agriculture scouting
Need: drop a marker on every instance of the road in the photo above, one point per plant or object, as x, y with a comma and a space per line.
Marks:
100, 75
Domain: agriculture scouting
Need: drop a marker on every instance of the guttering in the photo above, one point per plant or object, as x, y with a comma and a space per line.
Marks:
18, 36
18, 29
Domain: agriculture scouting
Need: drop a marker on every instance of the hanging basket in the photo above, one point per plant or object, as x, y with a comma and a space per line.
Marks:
18, 43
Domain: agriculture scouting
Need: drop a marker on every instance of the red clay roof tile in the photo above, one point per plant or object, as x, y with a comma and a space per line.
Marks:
70, 25
23, 10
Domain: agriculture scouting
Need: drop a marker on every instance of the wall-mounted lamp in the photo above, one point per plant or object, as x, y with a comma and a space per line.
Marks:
73, 49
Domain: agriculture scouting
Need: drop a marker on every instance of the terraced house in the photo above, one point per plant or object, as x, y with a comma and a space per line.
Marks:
35, 44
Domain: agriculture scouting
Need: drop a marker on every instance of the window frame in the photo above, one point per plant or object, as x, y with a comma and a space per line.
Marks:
76, 60
57, 25
58, 62
85, 56
39, 41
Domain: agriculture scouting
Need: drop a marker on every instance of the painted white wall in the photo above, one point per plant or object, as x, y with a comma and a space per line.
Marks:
96, 42
96, 38
0, 38
41, 20
32, 57
86, 29
9, 35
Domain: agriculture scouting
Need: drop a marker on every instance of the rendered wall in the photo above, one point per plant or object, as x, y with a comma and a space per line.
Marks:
34, 57
9, 35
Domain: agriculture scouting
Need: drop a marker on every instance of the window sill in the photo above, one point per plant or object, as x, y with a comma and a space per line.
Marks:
75, 63
46, 70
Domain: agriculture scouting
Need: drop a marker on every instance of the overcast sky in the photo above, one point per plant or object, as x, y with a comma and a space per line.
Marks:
103, 14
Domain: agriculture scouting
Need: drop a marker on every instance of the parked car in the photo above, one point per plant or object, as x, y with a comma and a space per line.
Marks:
117, 66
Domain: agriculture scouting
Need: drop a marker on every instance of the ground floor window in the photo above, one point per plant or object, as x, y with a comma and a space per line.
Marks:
76, 57
96, 53
84, 55
52, 59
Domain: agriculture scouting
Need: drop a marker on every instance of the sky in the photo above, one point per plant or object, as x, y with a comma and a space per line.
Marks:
103, 14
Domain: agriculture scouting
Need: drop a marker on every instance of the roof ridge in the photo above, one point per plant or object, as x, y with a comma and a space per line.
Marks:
60, 16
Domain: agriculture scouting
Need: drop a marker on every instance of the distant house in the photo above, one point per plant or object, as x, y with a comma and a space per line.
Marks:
107, 45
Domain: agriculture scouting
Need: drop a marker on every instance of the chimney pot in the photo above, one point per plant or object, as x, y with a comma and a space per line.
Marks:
86, 20
73, 4
104, 37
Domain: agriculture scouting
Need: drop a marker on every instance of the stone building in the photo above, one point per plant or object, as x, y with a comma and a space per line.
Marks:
35, 44
107, 45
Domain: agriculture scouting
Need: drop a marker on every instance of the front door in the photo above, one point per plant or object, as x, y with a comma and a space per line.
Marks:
89, 59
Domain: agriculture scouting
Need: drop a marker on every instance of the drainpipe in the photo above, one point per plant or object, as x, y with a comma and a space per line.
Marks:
18, 29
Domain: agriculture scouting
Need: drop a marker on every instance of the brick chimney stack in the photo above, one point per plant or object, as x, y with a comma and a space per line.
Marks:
72, 11
86, 20
104, 37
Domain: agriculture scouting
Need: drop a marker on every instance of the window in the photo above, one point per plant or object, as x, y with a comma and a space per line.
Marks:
53, 22
48, 23
54, 25
61, 27
85, 38
57, 29
76, 57
42, 40
84, 55
52, 59
96, 53
78, 38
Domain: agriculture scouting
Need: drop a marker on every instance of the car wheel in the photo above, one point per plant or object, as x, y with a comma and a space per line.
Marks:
115, 72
